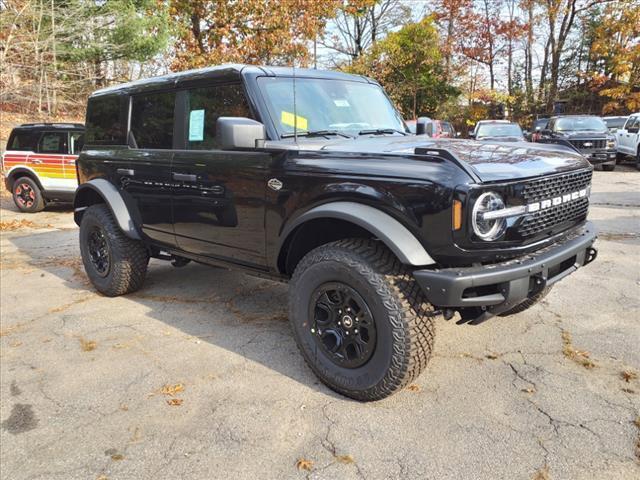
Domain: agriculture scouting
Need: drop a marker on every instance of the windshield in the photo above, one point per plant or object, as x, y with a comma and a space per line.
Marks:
617, 122
328, 105
579, 123
499, 130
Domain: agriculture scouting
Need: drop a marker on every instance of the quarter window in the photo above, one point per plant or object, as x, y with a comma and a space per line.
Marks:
205, 105
105, 125
152, 120
23, 141
53, 142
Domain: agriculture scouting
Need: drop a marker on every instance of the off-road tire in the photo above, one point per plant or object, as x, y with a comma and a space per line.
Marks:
608, 168
527, 304
128, 258
638, 159
38, 200
404, 320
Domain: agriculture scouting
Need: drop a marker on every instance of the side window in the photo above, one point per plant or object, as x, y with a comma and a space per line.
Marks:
23, 141
152, 120
53, 142
205, 105
105, 125
76, 142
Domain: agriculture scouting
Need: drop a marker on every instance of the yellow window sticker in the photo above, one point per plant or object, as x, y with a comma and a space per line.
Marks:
288, 118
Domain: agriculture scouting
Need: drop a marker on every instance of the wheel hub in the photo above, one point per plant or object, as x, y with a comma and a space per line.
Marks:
25, 195
99, 253
342, 325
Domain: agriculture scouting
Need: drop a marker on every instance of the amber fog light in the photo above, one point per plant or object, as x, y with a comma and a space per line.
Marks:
456, 219
488, 229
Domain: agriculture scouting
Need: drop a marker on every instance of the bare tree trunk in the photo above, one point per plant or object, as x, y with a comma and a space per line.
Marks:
529, 56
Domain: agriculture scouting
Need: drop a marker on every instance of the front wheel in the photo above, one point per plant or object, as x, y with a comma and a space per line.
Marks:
27, 195
359, 318
115, 263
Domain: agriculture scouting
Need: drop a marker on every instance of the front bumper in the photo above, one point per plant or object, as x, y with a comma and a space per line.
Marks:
601, 156
496, 288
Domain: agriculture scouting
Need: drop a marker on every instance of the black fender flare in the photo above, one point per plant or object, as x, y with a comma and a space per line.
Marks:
112, 197
382, 225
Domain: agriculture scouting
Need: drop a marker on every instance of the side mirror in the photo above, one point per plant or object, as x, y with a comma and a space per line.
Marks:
421, 125
239, 132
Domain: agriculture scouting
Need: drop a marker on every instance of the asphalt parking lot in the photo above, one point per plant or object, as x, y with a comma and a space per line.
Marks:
197, 375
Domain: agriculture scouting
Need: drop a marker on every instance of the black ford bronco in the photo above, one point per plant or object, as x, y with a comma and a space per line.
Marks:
311, 177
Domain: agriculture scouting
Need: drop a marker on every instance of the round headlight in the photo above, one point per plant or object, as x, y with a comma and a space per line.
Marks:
488, 229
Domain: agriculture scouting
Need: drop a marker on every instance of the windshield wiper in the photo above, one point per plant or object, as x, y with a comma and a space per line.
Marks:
316, 133
381, 131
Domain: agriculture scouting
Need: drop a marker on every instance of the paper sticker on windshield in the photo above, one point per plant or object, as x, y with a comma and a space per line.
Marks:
341, 102
288, 118
196, 126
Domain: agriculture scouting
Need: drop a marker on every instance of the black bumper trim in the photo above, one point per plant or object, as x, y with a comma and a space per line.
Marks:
499, 287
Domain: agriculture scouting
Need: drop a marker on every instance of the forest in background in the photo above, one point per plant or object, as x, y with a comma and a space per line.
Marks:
460, 60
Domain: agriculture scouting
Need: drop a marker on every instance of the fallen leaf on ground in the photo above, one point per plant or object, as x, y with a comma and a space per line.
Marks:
346, 459
542, 474
174, 402
628, 390
581, 357
171, 390
117, 457
491, 356
628, 375
304, 464
87, 345
529, 390
414, 388
16, 225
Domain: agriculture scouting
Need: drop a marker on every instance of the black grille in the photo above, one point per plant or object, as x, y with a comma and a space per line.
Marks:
548, 188
588, 144
547, 219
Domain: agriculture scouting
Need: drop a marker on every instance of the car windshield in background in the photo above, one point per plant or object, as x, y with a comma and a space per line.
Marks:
540, 124
499, 130
580, 124
617, 122
329, 106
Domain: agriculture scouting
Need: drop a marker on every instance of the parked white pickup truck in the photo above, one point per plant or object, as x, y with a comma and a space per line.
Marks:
628, 138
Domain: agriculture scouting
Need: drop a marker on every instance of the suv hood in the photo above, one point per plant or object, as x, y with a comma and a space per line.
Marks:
580, 134
490, 161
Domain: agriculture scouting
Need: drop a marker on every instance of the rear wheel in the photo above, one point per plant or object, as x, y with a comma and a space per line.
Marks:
27, 195
115, 263
359, 318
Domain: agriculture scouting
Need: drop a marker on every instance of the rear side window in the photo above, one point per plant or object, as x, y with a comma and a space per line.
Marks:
152, 120
23, 140
205, 105
105, 123
53, 142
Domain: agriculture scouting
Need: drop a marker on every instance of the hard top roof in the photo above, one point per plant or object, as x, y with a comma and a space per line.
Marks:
34, 126
229, 71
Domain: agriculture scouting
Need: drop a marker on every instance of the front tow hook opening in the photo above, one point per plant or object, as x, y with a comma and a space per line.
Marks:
591, 255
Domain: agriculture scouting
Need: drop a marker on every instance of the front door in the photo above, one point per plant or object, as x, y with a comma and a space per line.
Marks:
147, 176
218, 196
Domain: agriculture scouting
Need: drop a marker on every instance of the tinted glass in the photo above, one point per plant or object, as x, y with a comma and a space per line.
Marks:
632, 122
579, 124
447, 128
53, 142
76, 142
617, 122
540, 124
105, 122
322, 104
152, 120
23, 140
205, 105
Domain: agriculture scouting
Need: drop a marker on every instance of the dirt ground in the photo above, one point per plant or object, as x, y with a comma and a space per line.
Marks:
197, 375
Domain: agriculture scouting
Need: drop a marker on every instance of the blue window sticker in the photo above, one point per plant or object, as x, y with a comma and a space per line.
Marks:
196, 126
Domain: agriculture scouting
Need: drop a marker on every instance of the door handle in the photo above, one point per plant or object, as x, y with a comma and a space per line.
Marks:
185, 177
35, 160
126, 171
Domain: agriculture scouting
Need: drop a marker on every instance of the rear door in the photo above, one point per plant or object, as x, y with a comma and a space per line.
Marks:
48, 161
218, 196
147, 178
627, 135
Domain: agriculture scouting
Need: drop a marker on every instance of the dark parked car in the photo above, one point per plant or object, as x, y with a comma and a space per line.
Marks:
585, 133
499, 132
538, 125
378, 232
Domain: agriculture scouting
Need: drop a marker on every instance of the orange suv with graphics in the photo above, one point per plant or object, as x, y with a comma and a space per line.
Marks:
39, 165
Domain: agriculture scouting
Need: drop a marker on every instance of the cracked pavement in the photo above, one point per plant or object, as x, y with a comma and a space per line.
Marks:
81, 375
